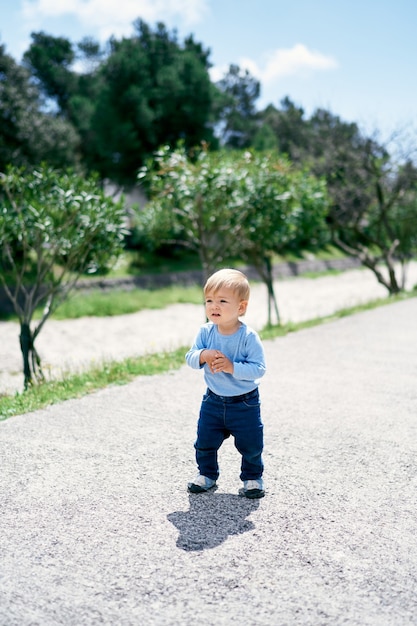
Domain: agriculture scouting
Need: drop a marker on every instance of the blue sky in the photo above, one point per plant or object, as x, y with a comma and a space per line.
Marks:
354, 58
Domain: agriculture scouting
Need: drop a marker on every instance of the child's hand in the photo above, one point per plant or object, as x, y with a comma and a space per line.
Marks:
221, 363
208, 356
216, 361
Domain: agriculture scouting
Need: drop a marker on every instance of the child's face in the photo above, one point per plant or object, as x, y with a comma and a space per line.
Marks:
224, 307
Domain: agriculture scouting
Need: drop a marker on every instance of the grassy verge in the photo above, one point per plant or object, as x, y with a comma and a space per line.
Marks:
120, 373
104, 304
100, 303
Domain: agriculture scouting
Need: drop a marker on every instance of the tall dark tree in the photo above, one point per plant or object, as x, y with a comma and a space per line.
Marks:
238, 116
50, 61
145, 91
29, 134
289, 126
73, 94
154, 91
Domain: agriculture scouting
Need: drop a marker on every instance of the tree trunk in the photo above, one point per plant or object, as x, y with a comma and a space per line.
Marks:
26, 344
263, 266
272, 300
31, 361
361, 253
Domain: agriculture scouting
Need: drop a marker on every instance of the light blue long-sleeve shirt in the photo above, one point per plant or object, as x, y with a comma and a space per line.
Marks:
244, 349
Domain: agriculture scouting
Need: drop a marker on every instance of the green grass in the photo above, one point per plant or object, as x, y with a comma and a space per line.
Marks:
104, 304
99, 303
120, 373
117, 302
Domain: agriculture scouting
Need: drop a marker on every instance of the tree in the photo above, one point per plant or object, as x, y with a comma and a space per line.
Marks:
226, 205
384, 231
371, 211
285, 211
154, 91
373, 195
265, 140
54, 226
71, 91
289, 126
50, 60
144, 91
237, 115
195, 201
29, 135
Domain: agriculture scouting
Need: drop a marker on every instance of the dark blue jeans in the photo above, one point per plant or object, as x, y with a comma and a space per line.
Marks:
222, 416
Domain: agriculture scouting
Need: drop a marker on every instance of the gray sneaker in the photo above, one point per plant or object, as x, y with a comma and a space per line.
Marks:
201, 484
252, 489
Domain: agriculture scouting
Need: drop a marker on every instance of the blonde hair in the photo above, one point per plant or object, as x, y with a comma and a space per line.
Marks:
230, 279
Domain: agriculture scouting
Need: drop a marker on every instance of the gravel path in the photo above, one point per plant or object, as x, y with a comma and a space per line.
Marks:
98, 529
97, 526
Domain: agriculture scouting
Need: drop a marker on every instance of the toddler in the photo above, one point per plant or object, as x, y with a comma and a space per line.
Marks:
232, 357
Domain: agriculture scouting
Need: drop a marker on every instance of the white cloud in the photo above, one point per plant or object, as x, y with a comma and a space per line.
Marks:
296, 60
115, 17
281, 63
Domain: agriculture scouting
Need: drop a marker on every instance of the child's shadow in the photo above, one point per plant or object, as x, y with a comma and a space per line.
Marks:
211, 519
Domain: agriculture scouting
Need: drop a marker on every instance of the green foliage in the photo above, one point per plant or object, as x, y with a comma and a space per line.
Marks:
144, 91
54, 226
153, 91
196, 200
265, 139
372, 193
227, 204
237, 113
374, 212
50, 59
62, 223
285, 211
27, 134
116, 302
289, 126
311, 206
150, 90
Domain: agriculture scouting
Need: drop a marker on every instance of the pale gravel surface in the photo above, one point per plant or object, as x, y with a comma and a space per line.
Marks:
97, 526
